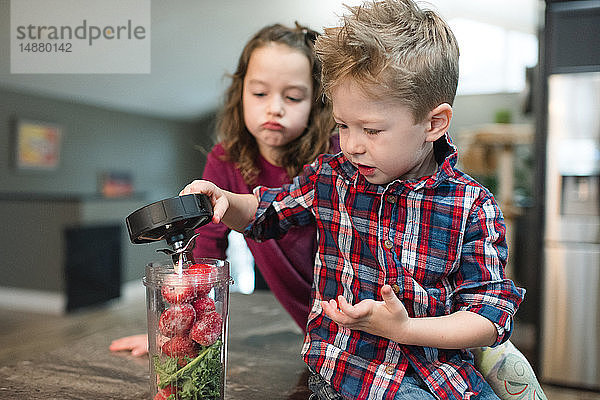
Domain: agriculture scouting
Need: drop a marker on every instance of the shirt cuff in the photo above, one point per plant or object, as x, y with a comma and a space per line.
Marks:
255, 229
501, 319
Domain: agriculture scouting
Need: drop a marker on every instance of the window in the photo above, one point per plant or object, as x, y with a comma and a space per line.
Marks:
492, 59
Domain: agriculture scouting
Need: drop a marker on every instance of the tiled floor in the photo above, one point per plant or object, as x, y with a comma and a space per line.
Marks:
23, 334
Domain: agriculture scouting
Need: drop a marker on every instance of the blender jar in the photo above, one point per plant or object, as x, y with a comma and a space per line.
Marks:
187, 328
186, 301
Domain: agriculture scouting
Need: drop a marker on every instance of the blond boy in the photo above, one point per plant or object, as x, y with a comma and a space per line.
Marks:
409, 270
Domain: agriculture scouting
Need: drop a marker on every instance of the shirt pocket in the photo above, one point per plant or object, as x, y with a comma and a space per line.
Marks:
429, 254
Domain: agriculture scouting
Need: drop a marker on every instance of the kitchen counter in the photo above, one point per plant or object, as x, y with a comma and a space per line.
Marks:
263, 356
45, 357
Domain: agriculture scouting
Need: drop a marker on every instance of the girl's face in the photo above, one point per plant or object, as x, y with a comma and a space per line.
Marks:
277, 97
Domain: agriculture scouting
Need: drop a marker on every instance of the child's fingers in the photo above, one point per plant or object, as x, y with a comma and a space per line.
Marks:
358, 311
219, 202
390, 299
138, 344
190, 188
326, 308
139, 351
330, 308
124, 343
199, 186
344, 306
219, 207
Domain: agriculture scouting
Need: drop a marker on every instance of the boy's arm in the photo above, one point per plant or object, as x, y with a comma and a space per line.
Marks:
389, 319
233, 209
480, 284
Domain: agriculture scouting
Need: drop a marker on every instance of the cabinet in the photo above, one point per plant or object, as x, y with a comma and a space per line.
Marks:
45, 237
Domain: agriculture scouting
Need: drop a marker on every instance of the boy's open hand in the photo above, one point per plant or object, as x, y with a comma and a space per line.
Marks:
217, 196
385, 318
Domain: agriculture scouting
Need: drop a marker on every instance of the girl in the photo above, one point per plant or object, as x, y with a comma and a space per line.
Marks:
273, 122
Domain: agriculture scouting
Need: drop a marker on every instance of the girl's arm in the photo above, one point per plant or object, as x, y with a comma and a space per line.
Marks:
389, 319
234, 210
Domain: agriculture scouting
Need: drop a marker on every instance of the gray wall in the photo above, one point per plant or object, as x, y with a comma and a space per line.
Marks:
161, 156
159, 153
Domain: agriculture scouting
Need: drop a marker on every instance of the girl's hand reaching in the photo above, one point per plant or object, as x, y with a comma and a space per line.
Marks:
137, 344
217, 197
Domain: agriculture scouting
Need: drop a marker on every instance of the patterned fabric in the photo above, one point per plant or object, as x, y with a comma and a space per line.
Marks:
439, 241
508, 372
286, 264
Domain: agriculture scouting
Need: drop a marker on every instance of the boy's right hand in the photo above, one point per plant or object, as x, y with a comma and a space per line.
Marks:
217, 196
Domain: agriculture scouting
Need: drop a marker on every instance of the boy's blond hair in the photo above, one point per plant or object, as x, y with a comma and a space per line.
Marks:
398, 49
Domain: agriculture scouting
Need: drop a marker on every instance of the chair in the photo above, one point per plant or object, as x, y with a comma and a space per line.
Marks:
508, 372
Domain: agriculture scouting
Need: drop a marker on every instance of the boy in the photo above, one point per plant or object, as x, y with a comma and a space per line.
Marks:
409, 270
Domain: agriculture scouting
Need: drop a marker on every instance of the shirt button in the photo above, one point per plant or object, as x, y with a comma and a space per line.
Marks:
390, 370
388, 244
396, 288
391, 199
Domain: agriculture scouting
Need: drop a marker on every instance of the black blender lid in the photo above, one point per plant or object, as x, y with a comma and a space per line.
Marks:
169, 218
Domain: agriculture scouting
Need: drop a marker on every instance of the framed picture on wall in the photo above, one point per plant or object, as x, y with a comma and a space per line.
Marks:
116, 184
37, 145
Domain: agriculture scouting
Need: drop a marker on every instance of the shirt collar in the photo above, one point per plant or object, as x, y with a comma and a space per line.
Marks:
350, 173
446, 156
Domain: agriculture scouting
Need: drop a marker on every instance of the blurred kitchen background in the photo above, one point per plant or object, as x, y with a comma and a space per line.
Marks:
526, 123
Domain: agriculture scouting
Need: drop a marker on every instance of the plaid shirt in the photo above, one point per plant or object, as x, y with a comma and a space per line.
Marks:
438, 241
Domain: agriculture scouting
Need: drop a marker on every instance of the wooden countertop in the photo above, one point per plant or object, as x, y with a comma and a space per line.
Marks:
67, 357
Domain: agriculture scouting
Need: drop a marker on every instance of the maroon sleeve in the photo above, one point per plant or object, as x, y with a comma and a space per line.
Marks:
286, 264
212, 241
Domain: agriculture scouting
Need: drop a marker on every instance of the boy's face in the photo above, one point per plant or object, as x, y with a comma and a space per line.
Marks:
379, 136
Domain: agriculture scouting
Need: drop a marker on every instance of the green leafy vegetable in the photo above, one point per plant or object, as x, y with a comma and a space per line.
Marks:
199, 379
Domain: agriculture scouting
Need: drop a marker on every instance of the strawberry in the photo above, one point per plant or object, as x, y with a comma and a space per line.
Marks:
179, 347
203, 290
163, 394
203, 305
177, 319
204, 273
180, 293
199, 269
207, 330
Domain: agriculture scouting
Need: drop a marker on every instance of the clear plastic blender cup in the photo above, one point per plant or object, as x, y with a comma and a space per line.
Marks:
187, 328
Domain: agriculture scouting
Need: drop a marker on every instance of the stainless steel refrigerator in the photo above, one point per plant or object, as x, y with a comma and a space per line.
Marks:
570, 348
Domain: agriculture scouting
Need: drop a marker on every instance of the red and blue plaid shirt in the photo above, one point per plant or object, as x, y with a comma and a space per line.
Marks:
439, 241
